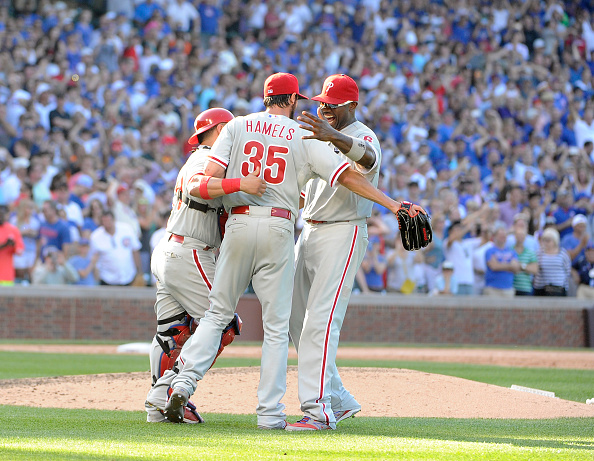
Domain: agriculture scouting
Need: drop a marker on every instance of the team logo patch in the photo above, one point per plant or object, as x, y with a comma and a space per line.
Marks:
126, 242
330, 85
368, 138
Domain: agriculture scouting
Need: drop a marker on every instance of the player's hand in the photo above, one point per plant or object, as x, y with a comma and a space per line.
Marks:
253, 184
318, 125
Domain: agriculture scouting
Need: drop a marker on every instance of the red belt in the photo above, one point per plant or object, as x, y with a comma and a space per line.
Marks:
276, 212
180, 239
313, 221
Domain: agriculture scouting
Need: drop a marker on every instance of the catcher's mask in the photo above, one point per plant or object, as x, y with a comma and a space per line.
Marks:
209, 119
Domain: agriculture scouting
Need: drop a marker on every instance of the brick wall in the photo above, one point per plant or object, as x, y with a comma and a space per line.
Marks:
126, 314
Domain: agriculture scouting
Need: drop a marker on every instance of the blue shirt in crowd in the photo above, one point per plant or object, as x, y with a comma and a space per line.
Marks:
55, 235
81, 263
500, 279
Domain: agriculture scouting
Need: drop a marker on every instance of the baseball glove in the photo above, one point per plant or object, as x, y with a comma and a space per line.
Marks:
415, 226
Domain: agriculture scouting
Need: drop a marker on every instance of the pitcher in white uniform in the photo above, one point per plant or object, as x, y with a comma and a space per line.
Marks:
183, 264
259, 238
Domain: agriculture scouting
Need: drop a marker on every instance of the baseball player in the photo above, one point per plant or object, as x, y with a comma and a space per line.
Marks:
183, 264
259, 240
329, 252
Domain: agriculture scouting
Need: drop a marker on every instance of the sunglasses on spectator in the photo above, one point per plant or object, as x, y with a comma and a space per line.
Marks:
334, 106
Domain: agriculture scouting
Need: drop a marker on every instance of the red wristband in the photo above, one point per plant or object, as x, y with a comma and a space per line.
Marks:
231, 185
204, 188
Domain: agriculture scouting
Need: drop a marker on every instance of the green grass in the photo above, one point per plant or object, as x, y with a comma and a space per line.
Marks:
57, 434
60, 434
37, 364
575, 385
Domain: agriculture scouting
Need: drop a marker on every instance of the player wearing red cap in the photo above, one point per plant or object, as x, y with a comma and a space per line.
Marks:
329, 252
184, 263
259, 238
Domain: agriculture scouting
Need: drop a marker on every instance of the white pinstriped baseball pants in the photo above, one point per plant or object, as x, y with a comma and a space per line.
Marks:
259, 248
327, 259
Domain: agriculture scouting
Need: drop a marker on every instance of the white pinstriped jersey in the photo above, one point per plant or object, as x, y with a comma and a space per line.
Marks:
287, 162
324, 203
189, 222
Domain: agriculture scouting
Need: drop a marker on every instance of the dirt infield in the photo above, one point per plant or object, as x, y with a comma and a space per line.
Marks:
381, 392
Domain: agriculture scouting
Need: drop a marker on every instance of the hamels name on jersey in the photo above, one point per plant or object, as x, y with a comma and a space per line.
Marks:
274, 130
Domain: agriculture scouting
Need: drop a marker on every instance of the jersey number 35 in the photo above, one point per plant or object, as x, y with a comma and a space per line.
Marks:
274, 164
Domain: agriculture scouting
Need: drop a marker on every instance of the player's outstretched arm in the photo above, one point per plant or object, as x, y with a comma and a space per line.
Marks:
356, 149
413, 220
207, 187
357, 183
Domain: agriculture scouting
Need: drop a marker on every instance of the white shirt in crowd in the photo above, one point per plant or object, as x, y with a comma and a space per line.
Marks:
181, 15
583, 131
460, 253
479, 266
116, 264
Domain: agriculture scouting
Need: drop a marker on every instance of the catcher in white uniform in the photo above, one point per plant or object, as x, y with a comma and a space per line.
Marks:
329, 252
183, 264
259, 238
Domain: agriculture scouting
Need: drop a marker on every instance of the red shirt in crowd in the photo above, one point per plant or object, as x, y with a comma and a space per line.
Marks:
8, 231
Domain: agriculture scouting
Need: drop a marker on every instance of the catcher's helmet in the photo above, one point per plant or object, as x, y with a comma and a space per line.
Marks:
208, 119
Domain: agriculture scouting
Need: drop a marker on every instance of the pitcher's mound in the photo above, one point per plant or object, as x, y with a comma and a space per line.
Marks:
381, 392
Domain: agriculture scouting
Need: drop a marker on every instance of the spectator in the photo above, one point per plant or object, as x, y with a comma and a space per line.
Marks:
401, 272
577, 240
513, 205
458, 250
565, 212
182, 14
502, 264
60, 191
11, 243
479, 262
118, 248
54, 269
120, 200
92, 217
434, 253
554, 266
85, 264
526, 257
26, 221
374, 266
445, 283
585, 273
54, 231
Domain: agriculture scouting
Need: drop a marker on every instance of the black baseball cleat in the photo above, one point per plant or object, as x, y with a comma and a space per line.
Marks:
176, 406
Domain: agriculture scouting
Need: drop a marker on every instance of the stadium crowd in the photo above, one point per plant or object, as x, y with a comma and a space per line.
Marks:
484, 110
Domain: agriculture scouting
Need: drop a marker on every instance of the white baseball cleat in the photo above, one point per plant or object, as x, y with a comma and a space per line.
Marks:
344, 414
280, 425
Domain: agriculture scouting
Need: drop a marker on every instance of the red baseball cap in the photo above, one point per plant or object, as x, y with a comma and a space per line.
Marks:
121, 188
282, 83
337, 89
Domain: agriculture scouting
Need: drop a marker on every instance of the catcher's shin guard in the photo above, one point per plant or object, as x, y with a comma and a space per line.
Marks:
229, 333
167, 344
